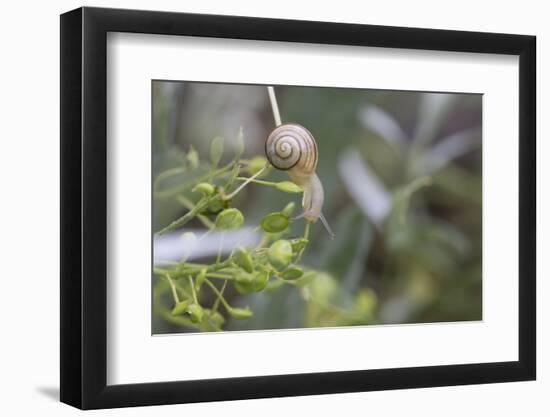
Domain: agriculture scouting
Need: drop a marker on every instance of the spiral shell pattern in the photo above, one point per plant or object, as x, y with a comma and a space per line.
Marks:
292, 147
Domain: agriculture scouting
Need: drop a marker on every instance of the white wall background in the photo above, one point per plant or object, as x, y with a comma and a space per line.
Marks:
29, 226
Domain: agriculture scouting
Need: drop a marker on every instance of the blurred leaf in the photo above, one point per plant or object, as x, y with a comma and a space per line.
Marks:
449, 148
383, 124
434, 108
365, 188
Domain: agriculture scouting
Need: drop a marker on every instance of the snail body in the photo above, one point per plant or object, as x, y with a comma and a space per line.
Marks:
292, 148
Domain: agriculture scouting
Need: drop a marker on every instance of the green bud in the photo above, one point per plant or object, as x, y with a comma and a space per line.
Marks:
216, 205
180, 307
216, 150
289, 209
195, 312
240, 313
193, 158
274, 223
255, 164
204, 188
246, 283
292, 272
288, 187
229, 219
260, 280
280, 254
243, 259
298, 244
240, 143
201, 277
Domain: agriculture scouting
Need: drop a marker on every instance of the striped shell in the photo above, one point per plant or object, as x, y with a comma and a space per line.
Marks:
292, 147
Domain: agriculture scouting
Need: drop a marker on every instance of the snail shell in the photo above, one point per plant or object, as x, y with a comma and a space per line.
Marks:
291, 147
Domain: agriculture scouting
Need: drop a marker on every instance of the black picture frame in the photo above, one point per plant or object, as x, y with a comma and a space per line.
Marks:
84, 207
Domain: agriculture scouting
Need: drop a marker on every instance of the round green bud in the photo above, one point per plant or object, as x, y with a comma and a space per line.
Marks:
292, 272
274, 223
229, 219
247, 283
243, 259
215, 206
288, 187
280, 254
260, 280
204, 188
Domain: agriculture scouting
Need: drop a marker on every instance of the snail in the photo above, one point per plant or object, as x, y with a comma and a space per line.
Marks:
292, 148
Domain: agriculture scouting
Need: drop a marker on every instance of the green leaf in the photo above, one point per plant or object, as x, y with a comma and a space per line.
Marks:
229, 219
275, 223
216, 150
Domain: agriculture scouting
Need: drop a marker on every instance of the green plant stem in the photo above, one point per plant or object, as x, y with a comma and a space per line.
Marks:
194, 268
217, 302
306, 236
220, 276
193, 292
187, 216
173, 287
262, 182
219, 295
166, 174
188, 204
245, 183
188, 185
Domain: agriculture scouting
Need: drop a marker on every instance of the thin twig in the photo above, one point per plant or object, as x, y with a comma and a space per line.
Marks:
274, 105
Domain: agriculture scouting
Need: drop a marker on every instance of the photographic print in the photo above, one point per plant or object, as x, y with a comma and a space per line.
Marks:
290, 207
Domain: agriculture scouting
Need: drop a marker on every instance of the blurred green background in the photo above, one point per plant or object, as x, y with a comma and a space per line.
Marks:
402, 173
